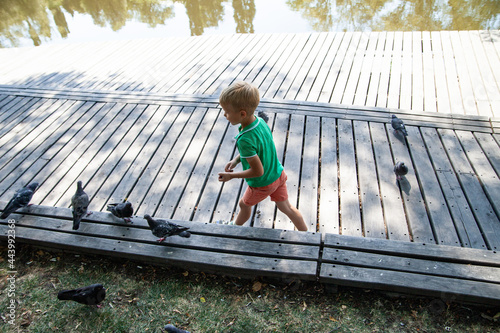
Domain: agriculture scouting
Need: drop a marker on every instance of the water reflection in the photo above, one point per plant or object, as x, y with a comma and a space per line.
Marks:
41, 20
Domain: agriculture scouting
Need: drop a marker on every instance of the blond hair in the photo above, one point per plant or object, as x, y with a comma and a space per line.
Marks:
241, 96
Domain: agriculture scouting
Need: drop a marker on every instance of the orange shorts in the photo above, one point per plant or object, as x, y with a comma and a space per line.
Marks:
276, 190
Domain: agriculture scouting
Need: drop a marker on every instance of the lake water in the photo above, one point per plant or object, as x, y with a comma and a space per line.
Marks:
37, 22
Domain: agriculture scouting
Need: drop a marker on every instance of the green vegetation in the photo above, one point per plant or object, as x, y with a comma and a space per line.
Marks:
143, 298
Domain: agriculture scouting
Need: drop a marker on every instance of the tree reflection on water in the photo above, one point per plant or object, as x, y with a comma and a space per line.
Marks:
39, 19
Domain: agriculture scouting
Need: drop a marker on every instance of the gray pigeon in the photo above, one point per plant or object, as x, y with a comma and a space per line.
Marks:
80, 202
21, 198
164, 229
263, 115
90, 295
122, 210
400, 169
172, 329
398, 125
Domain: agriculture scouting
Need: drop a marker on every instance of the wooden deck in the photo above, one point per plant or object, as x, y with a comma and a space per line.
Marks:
446, 72
160, 142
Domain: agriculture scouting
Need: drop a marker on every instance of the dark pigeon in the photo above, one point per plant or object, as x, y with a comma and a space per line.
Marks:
400, 169
263, 115
90, 295
21, 198
398, 125
172, 329
80, 202
122, 210
164, 229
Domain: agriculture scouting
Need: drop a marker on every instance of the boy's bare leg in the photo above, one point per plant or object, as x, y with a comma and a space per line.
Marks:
244, 214
293, 214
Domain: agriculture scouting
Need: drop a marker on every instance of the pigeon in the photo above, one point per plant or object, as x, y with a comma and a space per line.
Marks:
400, 169
263, 115
122, 210
172, 329
21, 198
398, 125
164, 229
80, 202
90, 295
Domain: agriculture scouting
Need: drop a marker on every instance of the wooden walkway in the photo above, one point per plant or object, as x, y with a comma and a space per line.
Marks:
445, 72
98, 121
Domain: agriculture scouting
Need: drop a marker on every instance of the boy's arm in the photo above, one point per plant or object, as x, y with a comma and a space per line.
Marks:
256, 170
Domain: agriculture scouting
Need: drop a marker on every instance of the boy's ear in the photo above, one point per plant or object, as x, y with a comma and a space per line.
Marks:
243, 113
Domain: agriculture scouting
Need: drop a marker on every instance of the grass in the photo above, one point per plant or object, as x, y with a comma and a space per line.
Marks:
144, 298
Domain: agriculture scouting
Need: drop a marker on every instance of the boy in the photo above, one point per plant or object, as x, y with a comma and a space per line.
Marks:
257, 153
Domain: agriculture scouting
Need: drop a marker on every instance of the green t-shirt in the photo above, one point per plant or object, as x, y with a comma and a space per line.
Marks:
256, 139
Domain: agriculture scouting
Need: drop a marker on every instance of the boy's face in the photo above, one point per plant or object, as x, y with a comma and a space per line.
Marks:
232, 115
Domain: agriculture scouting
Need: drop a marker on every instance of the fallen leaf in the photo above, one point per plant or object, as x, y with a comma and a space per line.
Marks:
332, 319
186, 273
304, 307
257, 286
202, 299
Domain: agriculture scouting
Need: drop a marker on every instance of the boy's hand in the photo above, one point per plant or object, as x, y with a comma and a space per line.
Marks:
231, 165
225, 176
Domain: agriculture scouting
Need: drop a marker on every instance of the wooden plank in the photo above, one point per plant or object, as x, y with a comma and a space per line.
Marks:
35, 166
324, 71
147, 154
489, 40
308, 198
430, 103
442, 95
270, 54
355, 71
350, 215
371, 98
344, 68
481, 207
490, 181
278, 74
296, 73
187, 167
385, 67
316, 67
79, 158
208, 199
464, 79
237, 68
486, 70
424, 266
334, 72
394, 213
155, 189
329, 194
225, 263
490, 148
371, 206
440, 219
204, 228
419, 224
204, 78
417, 99
307, 73
451, 74
465, 223
112, 172
292, 165
447, 288
58, 114
365, 77
394, 92
417, 250
16, 115
405, 98
197, 241
196, 184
